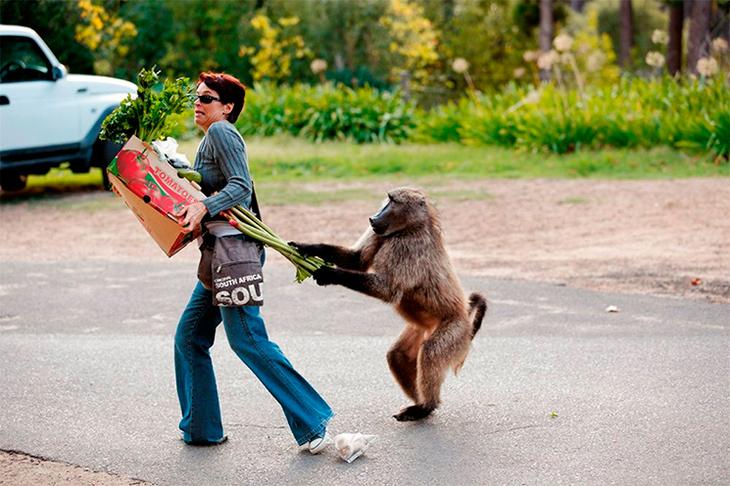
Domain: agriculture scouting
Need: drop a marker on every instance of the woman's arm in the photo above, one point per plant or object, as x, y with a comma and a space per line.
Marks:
229, 152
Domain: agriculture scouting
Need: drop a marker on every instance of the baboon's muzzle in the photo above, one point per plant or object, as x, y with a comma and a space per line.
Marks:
377, 225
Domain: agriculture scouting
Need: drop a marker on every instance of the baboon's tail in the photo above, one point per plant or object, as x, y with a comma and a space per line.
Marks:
477, 309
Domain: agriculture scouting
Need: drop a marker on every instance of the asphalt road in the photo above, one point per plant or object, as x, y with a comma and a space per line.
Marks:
555, 391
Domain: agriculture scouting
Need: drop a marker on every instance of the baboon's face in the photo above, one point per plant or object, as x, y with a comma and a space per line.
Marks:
403, 209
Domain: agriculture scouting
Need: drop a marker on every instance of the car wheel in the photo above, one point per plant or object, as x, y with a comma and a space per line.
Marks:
13, 182
103, 153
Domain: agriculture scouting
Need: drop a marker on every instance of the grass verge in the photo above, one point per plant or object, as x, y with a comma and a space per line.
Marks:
281, 165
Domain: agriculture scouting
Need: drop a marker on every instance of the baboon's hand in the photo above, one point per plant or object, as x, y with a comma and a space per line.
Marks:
325, 276
303, 248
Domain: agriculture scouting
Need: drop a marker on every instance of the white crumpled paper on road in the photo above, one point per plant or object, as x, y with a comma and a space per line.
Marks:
352, 446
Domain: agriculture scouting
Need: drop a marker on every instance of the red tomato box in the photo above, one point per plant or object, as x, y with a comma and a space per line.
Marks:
151, 188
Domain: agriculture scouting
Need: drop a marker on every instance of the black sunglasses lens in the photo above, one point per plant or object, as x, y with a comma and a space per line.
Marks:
206, 99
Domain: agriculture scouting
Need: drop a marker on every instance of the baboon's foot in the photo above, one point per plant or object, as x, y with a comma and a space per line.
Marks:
414, 412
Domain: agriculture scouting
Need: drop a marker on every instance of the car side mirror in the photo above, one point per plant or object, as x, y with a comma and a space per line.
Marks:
59, 72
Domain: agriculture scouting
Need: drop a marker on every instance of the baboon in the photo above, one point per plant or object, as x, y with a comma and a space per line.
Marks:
401, 259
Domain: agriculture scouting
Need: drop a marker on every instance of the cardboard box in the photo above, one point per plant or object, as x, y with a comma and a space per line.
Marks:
151, 188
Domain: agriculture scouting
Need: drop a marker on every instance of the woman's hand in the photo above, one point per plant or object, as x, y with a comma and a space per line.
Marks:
192, 215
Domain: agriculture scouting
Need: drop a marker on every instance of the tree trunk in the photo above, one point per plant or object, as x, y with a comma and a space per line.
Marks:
674, 48
448, 10
577, 5
546, 32
699, 33
626, 33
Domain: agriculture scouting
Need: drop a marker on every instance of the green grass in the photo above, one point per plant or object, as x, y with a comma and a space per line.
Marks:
62, 178
285, 158
281, 164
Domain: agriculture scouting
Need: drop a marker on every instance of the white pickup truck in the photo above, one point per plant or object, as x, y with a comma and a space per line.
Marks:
47, 116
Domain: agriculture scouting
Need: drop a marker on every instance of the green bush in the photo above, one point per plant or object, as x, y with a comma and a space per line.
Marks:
634, 112
327, 113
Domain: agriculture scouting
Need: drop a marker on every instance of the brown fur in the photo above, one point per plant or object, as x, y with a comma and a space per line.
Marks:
401, 259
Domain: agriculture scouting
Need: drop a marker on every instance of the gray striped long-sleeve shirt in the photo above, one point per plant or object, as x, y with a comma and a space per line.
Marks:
223, 164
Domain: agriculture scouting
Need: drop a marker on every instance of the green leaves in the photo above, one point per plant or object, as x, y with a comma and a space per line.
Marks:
634, 113
146, 115
327, 113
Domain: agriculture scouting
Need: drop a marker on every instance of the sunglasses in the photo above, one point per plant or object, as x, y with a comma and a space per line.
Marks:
207, 99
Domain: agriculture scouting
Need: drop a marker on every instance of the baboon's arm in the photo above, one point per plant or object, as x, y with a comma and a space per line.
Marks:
370, 284
339, 255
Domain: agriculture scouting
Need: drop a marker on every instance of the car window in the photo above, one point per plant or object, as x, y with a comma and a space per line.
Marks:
22, 60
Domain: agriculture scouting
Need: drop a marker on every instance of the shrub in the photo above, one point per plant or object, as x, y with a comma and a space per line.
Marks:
327, 113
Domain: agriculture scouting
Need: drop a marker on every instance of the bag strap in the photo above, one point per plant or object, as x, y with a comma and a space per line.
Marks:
255, 203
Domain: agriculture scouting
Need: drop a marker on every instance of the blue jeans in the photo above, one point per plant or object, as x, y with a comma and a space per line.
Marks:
306, 412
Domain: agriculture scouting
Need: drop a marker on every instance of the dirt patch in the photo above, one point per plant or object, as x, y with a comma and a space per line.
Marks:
659, 237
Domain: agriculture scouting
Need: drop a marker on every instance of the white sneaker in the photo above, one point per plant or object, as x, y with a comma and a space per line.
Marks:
317, 445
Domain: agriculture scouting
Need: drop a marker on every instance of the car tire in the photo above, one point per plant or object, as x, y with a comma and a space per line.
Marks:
103, 153
13, 182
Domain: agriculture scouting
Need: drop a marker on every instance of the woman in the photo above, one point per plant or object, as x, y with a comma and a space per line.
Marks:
222, 162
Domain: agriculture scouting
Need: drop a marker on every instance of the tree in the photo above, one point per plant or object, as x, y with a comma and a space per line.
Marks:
55, 23
105, 34
546, 32
277, 47
577, 5
699, 33
413, 40
674, 47
626, 33
349, 37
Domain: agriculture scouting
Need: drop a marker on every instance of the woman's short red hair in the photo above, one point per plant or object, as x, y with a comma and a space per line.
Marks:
229, 88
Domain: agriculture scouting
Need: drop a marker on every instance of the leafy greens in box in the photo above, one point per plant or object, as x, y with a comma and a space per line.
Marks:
146, 114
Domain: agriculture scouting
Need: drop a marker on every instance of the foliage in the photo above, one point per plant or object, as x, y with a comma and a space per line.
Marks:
687, 114
105, 34
647, 15
413, 40
325, 113
348, 36
54, 21
277, 46
494, 58
594, 55
526, 15
146, 114
204, 35
632, 113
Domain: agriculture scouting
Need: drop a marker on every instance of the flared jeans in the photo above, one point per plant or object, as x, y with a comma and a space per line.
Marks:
305, 411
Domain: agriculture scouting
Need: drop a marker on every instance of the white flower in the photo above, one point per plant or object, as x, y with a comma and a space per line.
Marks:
707, 66
460, 65
655, 59
519, 72
659, 37
531, 56
719, 45
595, 61
547, 59
532, 97
318, 66
563, 42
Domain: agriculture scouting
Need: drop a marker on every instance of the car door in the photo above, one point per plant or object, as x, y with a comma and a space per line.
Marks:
35, 110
